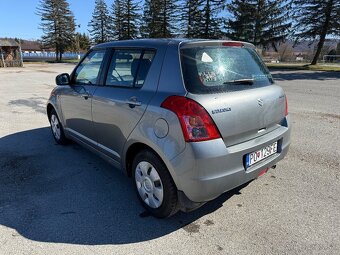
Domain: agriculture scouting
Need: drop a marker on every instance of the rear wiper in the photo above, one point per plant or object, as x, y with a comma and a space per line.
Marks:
240, 81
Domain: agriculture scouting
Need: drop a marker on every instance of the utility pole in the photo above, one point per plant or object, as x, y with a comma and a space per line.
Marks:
78, 43
21, 57
2, 58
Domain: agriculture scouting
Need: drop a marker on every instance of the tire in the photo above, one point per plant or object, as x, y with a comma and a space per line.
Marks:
154, 186
57, 129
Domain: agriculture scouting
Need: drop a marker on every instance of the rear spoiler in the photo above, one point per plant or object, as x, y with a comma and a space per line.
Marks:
222, 43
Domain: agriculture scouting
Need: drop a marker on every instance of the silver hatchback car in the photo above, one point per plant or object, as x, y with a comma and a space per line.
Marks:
187, 119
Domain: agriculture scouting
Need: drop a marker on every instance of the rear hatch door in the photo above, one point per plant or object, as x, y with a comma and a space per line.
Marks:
231, 82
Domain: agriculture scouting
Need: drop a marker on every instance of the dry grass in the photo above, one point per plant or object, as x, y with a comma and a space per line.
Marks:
294, 66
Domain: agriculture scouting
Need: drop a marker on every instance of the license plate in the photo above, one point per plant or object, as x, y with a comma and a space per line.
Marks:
257, 156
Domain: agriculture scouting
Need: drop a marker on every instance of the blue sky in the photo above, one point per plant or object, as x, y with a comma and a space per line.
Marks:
18, 17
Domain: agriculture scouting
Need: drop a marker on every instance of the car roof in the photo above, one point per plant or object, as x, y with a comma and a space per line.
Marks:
155, 43
138, 42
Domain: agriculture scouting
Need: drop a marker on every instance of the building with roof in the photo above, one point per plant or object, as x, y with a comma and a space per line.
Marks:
10, 53
31, 47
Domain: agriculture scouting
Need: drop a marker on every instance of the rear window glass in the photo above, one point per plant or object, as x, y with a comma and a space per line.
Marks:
216, 68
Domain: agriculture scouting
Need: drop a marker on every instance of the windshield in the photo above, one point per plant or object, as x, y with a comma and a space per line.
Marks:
218, 68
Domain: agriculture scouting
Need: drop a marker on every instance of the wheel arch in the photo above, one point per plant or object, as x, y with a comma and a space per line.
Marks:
51, 105
132, 151
138, 146
49, 109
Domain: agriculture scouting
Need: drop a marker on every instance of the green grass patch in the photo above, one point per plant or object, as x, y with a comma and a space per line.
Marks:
293, 66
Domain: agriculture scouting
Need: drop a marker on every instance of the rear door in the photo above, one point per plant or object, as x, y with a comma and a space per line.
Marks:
118, 106
233, 85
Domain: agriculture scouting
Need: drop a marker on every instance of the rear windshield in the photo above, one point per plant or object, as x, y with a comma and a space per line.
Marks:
213, 69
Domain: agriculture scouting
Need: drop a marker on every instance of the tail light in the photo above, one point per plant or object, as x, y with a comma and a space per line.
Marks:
196, 123
286, 106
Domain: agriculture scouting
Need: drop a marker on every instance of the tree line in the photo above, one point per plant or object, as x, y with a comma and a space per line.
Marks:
265, 23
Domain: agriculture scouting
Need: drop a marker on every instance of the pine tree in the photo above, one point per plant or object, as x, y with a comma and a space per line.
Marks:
315, 20
261, 22
275, 24
241, 26
117, 18
146, 19
129, 19
192, 17
211, 24
169, 18
101, 23
83, 41
200, 18
57, 24
160, 18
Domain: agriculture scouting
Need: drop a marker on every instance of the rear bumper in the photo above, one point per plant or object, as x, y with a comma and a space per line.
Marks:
207, 169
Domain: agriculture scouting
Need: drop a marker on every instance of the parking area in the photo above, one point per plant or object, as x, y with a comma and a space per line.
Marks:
66, 200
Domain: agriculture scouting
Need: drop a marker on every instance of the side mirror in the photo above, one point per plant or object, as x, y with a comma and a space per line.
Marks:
63, 79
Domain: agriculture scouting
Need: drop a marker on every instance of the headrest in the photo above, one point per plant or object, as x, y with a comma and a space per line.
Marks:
144, 65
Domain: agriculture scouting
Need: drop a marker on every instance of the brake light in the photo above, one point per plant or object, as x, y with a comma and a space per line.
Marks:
195, 121
233, 44
286, 106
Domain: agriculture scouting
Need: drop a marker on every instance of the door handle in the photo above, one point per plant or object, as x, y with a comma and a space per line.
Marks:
133, 102
85, 95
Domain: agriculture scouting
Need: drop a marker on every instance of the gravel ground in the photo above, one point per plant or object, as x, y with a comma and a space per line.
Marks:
66, 200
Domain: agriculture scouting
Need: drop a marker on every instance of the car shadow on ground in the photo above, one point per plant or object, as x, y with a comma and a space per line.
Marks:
52, 193
284, 75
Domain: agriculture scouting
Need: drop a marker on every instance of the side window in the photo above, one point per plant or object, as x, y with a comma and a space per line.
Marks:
87, 72
129, 68
144, 67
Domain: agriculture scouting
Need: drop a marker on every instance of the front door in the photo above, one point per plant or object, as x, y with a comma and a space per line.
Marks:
76, 101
